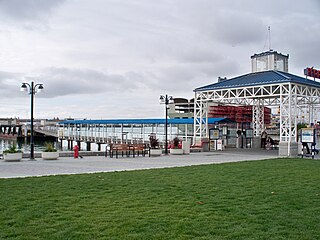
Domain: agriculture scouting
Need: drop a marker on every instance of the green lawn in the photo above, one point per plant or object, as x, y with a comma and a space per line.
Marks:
272, 199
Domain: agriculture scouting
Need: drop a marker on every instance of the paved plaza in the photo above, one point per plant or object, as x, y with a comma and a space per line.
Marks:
92, 164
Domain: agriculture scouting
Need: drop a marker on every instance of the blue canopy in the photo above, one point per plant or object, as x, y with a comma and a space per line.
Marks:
145, 121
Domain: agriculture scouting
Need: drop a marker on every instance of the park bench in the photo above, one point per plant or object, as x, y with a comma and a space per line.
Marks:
127, 150
139, 148
123, 149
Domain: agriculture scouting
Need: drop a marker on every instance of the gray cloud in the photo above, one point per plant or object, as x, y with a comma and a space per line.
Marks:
65, 81
300, 40
21, 10
105, 54
10, 84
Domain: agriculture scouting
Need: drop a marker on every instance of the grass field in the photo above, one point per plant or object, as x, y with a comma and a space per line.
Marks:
272, 199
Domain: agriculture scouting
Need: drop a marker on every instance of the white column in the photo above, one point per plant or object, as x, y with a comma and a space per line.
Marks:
258, 117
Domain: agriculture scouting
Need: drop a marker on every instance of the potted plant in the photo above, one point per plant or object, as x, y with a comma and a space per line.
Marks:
50, 153
155, 150
12, 154
176, 148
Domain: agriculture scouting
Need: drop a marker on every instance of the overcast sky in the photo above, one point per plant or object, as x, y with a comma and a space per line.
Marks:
104, 59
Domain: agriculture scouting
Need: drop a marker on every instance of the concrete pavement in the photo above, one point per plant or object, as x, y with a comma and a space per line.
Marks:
92, 164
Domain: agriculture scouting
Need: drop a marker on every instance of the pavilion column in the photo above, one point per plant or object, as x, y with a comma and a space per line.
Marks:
258, 117
311, 110
288, 145
200, 117
257, 122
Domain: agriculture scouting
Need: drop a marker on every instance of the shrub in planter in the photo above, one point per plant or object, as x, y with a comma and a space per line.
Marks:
176, 147
176, 142
154, 143
49, 147
12, 153
50, 153
155, 150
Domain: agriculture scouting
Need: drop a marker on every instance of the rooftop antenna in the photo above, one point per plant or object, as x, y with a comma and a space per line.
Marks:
269, 37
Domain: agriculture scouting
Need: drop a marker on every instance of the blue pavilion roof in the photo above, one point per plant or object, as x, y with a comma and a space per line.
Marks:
144, 121
259, 78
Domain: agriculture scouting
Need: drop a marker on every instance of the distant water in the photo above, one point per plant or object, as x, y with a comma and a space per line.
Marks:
23, 145
39, 146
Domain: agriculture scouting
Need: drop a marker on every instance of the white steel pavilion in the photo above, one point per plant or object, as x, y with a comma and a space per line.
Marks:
298, 99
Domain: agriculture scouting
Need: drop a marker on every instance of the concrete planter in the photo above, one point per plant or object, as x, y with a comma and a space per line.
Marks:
12, 157
155, 152
176, 151
50, 155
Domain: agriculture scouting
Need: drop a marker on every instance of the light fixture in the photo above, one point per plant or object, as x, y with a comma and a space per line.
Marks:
32, 91
165, 99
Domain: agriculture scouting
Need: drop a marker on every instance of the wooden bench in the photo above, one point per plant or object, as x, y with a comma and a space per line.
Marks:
123, 149
139, 148
127, 150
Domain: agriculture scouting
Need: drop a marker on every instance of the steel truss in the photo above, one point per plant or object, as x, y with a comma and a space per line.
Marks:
294, 100
258, 117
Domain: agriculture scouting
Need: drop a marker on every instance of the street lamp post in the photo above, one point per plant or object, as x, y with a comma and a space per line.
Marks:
32, 89
165, 99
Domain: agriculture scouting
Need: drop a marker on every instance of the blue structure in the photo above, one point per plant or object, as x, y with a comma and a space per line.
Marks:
127, 130
259, 79
143, 121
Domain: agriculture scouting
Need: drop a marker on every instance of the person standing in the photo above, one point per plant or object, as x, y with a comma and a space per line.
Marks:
264, 136
76, 151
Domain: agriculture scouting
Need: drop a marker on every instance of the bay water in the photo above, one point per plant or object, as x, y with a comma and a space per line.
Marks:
23, 145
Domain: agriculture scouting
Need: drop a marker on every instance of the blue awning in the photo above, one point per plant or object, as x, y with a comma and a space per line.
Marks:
145, 121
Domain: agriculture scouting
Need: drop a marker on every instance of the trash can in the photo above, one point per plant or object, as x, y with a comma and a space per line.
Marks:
205, 144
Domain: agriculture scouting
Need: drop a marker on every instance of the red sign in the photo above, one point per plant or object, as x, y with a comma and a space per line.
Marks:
311, 72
